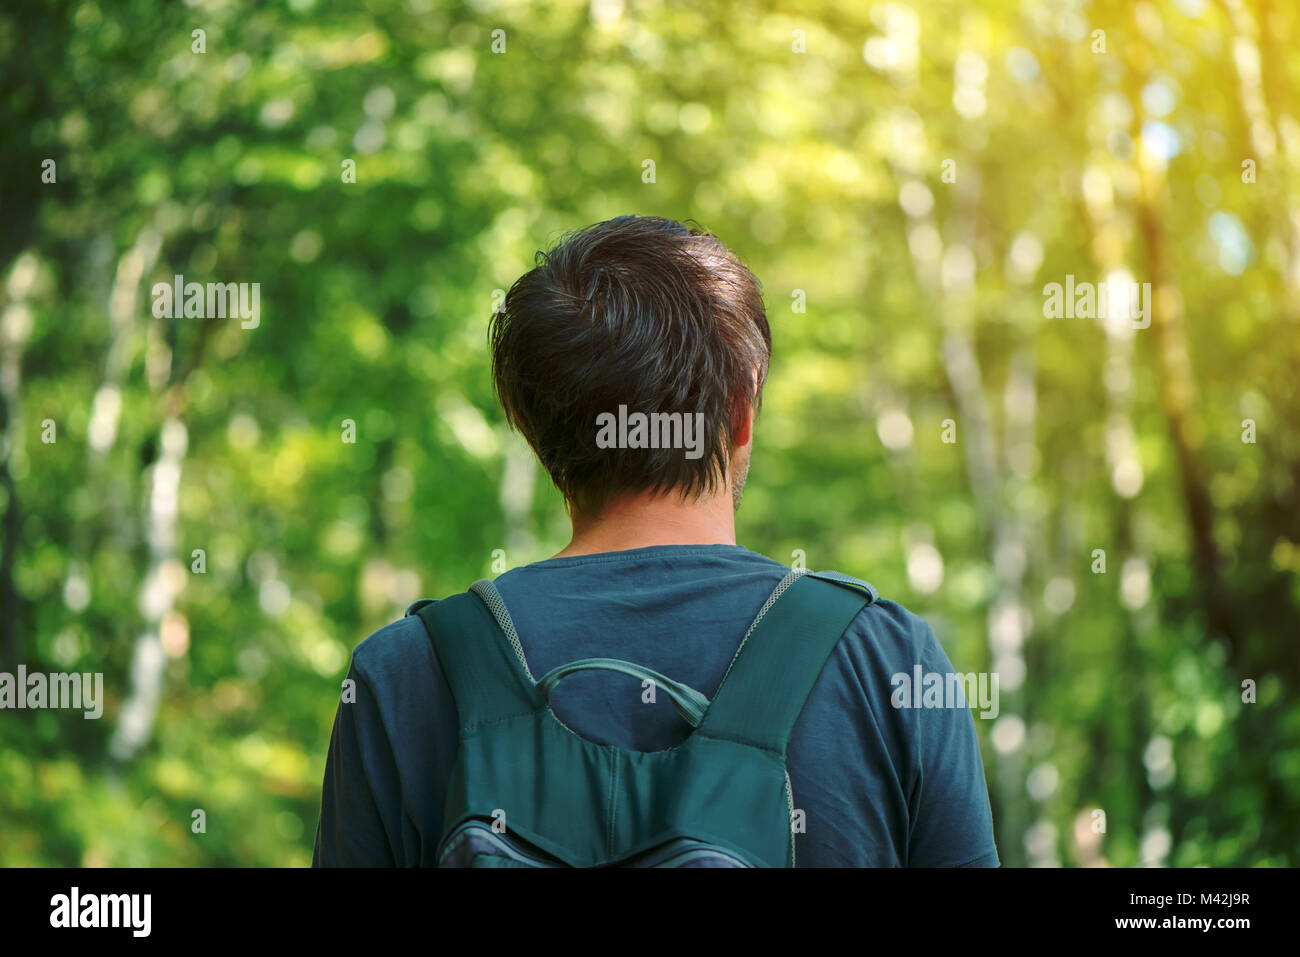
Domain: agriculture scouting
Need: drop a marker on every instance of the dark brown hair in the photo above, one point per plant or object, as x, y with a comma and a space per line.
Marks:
640, 311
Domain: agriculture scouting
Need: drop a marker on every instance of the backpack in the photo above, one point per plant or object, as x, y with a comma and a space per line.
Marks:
527, 791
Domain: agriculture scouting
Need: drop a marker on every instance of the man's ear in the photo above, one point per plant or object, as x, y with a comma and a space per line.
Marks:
742, 424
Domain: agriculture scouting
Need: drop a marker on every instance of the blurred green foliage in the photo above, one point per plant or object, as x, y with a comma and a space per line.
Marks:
919, 171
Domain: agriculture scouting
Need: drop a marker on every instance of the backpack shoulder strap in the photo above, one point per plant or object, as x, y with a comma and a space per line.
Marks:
480, 654
780, 657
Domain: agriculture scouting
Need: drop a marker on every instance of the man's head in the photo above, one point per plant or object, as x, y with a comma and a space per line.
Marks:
643, 313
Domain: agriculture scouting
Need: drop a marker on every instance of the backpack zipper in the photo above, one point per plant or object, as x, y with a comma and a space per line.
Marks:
508, 849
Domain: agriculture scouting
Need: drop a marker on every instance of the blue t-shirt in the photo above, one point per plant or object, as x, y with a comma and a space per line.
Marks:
880, 786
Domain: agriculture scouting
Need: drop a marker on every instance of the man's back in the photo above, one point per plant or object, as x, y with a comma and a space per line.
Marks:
878, 785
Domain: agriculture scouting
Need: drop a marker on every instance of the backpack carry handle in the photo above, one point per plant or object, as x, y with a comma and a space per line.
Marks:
690, 704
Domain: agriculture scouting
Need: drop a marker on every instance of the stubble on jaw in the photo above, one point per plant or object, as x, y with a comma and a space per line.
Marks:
739, 472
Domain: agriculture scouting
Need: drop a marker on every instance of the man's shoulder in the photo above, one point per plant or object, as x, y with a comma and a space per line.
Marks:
885, 633
389, 652
894, 626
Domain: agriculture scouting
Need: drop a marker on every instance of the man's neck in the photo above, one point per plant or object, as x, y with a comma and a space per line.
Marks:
645, 519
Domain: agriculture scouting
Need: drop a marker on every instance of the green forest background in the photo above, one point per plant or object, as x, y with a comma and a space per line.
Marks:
904, 178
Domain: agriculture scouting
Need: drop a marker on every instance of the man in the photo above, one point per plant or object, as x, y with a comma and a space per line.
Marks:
642, 315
